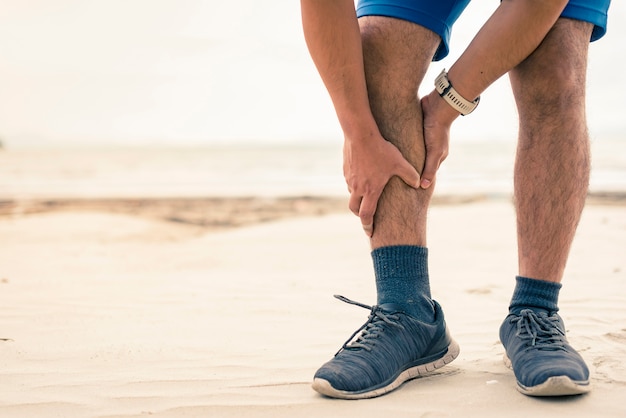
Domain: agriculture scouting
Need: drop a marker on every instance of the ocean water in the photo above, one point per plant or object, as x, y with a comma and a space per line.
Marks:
473, 168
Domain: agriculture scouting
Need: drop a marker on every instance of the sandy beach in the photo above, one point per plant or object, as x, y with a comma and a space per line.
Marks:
174, 223
110, 313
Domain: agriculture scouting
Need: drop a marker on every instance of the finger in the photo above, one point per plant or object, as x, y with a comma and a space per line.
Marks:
408, 174
354, 204
430, 168
367, 211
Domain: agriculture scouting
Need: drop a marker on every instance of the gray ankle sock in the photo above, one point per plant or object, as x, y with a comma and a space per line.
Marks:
402, 279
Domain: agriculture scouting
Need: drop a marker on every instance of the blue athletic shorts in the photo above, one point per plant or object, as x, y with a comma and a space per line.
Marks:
440, 15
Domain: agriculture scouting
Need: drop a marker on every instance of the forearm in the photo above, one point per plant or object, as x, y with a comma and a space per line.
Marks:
512, 33
332, 34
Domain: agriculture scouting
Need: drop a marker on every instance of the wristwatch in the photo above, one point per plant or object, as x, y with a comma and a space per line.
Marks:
450, 95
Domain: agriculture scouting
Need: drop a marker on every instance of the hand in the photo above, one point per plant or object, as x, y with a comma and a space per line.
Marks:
438, 117
368, 164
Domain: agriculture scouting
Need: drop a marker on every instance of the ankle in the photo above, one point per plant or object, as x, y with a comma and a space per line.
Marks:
402, 279
534, 294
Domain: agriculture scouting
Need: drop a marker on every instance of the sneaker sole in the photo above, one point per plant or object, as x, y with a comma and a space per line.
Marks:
554, 386
325, 388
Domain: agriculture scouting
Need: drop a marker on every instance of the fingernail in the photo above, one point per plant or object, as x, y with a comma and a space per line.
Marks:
368, 229
425, 183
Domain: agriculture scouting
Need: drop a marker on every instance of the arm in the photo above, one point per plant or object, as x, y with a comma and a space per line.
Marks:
333, 37
512, 33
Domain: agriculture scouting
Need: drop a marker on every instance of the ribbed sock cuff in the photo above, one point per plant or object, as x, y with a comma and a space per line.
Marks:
400, 260
402, 278
534, 293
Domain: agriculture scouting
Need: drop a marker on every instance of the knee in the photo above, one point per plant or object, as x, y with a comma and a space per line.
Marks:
396, 56
557, 90
550, 87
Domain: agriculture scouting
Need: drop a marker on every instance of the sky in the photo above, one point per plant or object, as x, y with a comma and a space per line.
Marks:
153, 72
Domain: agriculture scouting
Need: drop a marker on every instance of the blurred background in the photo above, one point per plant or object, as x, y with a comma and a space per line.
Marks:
191, 97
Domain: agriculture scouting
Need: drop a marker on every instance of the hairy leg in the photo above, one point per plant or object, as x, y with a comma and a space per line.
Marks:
396, 56
552, 164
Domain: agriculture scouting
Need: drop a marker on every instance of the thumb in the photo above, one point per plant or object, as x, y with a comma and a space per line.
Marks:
408, 174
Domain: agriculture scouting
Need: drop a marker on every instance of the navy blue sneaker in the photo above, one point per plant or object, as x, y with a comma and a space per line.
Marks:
538, 352
390, 348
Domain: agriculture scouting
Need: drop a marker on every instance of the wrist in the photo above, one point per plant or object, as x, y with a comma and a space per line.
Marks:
359, 128
438, 109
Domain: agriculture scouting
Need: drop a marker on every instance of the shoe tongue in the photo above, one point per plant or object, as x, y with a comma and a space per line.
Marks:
391, 307
537, 310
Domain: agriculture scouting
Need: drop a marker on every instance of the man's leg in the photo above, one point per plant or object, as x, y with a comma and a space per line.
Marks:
551, 179
396, 56
405, 335
552, 165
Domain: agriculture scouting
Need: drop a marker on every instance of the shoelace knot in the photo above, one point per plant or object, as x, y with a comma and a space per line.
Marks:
370, 330
542, 330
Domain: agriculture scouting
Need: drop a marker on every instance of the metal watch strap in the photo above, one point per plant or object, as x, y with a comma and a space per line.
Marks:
450, 95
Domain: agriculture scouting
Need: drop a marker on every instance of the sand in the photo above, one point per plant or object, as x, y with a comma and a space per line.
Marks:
105, 313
